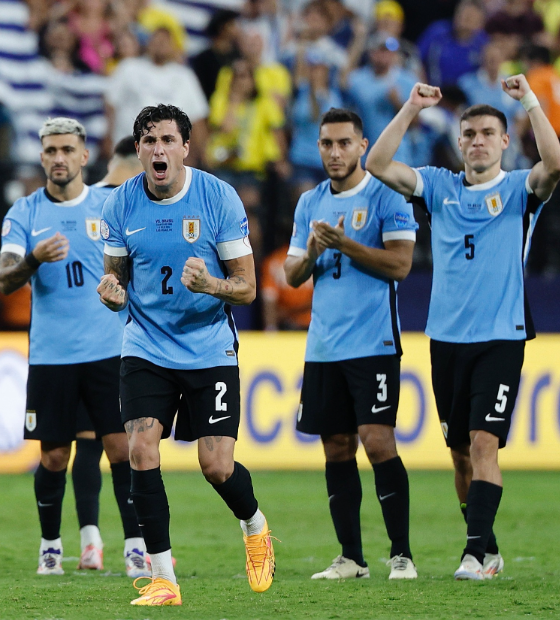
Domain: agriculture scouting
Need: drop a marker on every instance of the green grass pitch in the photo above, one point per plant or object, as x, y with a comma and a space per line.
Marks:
208, 546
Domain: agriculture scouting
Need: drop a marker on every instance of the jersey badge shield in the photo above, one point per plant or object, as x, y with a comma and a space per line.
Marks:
31, 421
191, 230
6, 227
359, 218
93, 228
494, 204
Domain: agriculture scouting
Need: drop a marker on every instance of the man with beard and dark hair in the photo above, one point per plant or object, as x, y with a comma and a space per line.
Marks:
356, 238
74, 345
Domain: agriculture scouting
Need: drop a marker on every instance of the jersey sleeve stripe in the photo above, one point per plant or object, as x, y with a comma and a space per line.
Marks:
228, 250
295, 251
419, 189
396, 235
13, 248
111, 251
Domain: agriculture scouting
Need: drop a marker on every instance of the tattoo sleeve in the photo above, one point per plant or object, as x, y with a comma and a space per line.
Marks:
119, 266
14, 272
239, 289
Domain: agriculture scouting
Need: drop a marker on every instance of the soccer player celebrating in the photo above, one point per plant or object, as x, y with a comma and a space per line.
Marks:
73, 346
180, 345
356, 238
478, 319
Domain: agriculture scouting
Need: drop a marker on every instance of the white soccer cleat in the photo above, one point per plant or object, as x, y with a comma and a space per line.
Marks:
50, 562
493, 564
91, 558
343, 568
402, 568
470, 568
136, 564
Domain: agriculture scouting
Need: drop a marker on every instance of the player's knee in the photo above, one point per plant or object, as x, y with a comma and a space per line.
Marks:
56, 459
116, 447
216, 472
461, 461
484, 447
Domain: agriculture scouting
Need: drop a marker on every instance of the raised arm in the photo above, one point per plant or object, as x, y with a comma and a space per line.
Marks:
113, 285
394, 261
16, 270
239, 289
380, 163
545, 174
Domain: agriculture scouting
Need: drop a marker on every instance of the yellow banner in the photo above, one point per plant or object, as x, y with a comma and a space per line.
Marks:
271, 366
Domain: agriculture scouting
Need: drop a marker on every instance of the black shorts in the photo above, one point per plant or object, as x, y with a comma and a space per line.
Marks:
337, 397
206, 401
475, 387
55, 393
83, 421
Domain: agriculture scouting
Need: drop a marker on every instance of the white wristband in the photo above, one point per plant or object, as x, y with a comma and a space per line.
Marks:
529, 101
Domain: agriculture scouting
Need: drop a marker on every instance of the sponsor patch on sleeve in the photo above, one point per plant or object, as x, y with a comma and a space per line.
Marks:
294, 230
104, 229
6, 227
244, 226
401, 219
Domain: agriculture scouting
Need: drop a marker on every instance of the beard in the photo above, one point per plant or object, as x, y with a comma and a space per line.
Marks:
342, 177
62, 182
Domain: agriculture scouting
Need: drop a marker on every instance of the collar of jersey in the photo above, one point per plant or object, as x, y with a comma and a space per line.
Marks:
356, 189
483, 186
74, 201
177, 197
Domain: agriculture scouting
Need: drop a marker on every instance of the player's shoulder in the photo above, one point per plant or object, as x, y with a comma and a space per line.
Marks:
517, 176
28, 203
212, 187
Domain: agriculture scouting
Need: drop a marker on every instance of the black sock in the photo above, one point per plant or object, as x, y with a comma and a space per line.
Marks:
237, 493
152, 509
121, 487
492, 546
49, 492
391, 484
344, 488
483, 500
86, 479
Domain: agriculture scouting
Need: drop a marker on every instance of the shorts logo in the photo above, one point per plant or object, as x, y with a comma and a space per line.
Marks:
300, 412
490, 418
494, 204
244, 226
191, 230
6, 227
359, 218
401, 219
376, 409
444, 429
93, 228
31, 421
104, 229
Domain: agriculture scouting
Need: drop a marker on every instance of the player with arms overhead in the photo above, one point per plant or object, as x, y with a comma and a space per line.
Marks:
356, 238
478, 319
177, 252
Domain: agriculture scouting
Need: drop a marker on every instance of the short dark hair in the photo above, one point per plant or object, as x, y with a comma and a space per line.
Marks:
125, 147
155, 114
482, 109
342, 115
218, 21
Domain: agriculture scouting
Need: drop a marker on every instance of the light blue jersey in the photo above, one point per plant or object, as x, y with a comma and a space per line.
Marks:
480, 240
169, 325
68, 323
354, 311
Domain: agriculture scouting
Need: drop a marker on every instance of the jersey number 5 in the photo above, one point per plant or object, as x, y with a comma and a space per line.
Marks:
469, 245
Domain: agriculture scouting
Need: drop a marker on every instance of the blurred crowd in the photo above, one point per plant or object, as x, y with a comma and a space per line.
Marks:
255, 78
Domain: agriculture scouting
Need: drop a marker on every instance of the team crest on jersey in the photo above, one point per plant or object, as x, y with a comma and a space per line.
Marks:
104, 227
93, 228
191, 229
494, 204
359, 218
444, 429
31, 421
6, 227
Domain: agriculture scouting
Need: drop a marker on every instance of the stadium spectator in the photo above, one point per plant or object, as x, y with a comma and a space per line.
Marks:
68, 366
450, 49
60, 45
154, 78
356, 238
182, 342
378, 90
223, 33
480, 237
269, 19
123, 165
126, 46
515, 18
544, 81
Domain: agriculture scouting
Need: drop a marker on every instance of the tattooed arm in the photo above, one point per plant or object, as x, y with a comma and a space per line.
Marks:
16, 270
239, 289
113, 285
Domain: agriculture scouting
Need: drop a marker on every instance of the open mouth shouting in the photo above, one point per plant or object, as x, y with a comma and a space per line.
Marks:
160, 170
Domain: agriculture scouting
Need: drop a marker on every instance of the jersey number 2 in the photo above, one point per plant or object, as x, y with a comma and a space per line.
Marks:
167, 272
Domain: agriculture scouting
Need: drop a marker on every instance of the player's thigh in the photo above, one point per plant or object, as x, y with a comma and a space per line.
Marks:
210, 403
374, 384
494, 387
148, 391
451, 386
326, 407
84, 425
99, 389
52, 401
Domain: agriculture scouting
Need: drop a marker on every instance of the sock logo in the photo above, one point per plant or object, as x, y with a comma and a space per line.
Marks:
382, 497
41, 505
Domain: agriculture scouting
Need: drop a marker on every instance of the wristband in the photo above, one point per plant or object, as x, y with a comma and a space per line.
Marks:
32, 261
529, 101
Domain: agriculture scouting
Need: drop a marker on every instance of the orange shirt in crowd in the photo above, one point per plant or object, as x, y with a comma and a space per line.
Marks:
15, 309
545, 83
